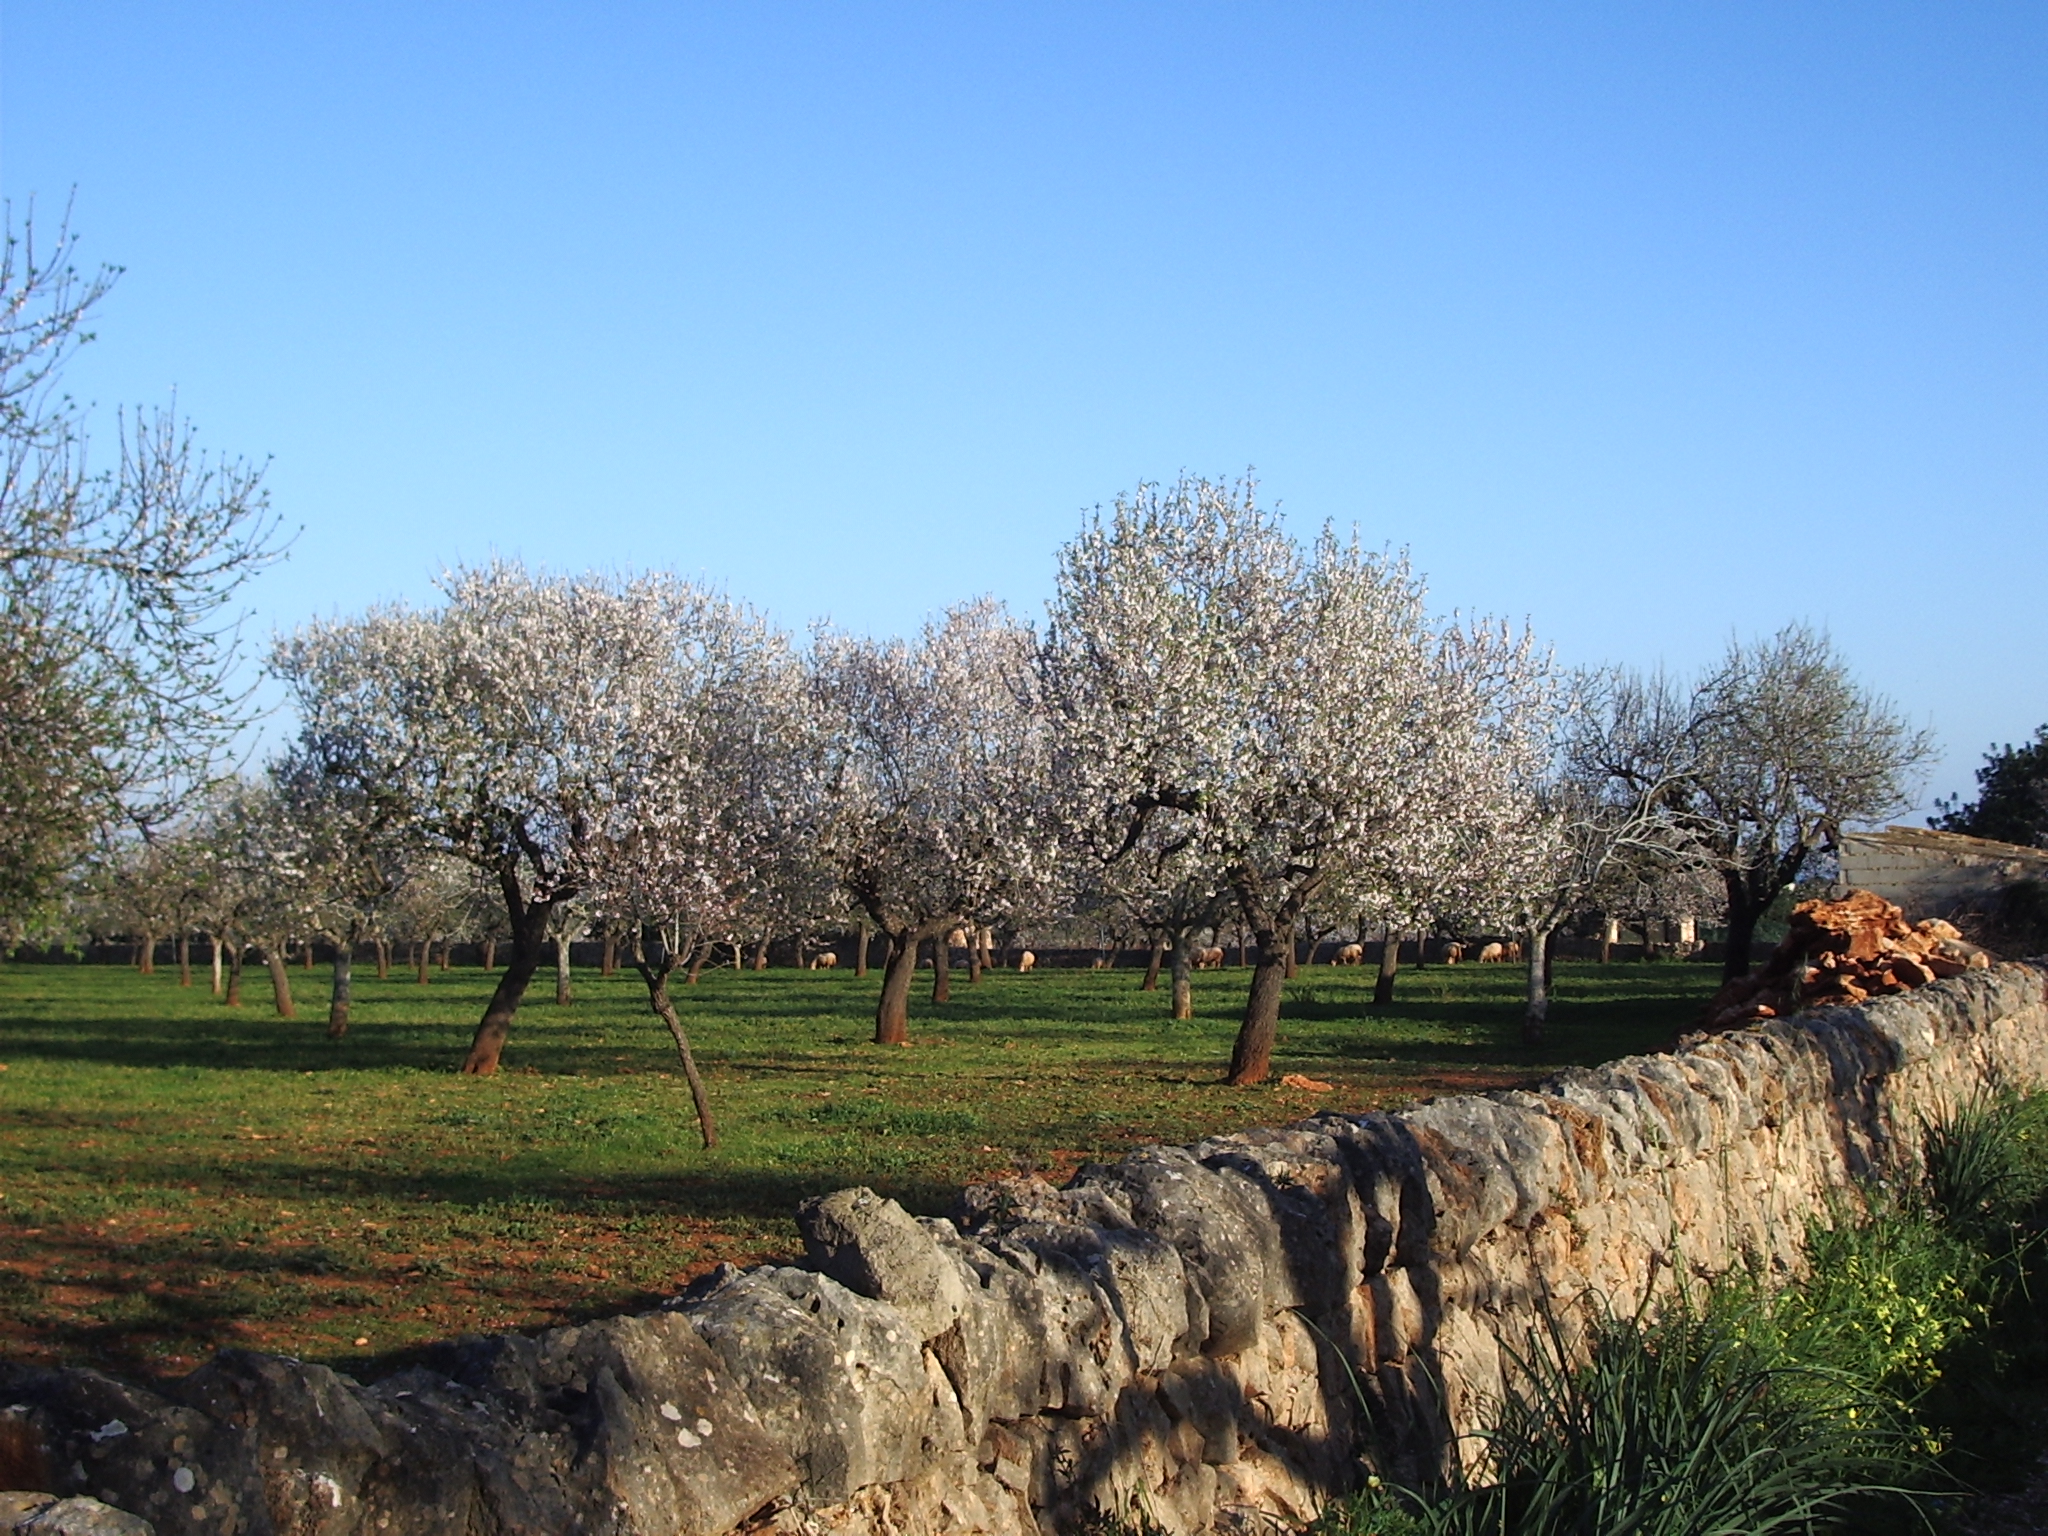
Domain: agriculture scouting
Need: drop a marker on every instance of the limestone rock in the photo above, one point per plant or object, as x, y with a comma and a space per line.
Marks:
839, 1380
875, 1248
74, 1517
171, 1464
1214, 1221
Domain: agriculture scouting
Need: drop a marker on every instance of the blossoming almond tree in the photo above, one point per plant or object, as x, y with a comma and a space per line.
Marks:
1299, 709
716, 825
935, 783
529, 718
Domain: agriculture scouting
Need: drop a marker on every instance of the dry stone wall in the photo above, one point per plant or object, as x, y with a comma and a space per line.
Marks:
1218, 1334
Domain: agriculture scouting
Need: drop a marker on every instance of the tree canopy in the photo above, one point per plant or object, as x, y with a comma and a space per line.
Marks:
2012, 797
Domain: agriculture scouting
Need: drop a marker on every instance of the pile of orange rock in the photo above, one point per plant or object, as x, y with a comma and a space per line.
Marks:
1839, 952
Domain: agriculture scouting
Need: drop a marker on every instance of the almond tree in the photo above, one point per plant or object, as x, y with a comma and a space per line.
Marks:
934, 784
1171, 888
118, 584
351, 774
1296, 710
1755, 770
716, 827
260, 891
528, 714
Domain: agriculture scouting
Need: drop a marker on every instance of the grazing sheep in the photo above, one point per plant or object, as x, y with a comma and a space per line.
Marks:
1209, 959
1025, 961
1492, 954
1350, 954
828, 961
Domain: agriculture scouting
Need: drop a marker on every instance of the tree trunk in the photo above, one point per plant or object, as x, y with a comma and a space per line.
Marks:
147, 956
530, 922
1610, 935
307, 962
424, 954
1184, 976
383, 959
1390, 967
280, 981
490, 954
234, 997
609, 965
1549, 958
760, 960
216, 964
564, 994
1537, 1012
860, 950
447, 953
697, 960
892, 1013
1252, 1058
942, 968
656, 976
344, 979
184, 959
973, 959
1743, 914
1151, 981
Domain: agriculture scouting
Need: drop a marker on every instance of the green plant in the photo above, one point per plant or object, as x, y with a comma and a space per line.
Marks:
1987, 1162
1882, 1300
1677, 1427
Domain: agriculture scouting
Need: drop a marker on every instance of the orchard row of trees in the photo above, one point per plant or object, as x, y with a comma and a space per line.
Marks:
1216, 724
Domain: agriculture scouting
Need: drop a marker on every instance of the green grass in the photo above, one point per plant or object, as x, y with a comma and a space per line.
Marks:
176, 1175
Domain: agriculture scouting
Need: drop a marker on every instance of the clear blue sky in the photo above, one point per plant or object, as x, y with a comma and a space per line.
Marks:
1651, 323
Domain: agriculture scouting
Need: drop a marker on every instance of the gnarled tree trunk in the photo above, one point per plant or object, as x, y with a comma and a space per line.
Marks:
860, 950
1151, 981
892, 1012
564, 993
530, 923
1536, 1013
1251, 1059
1390, 967
942, 968
280, 980
1184, 975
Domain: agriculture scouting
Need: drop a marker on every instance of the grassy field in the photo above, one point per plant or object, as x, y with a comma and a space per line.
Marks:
176, 1175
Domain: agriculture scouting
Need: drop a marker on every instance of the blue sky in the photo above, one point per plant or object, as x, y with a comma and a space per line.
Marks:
1651, 324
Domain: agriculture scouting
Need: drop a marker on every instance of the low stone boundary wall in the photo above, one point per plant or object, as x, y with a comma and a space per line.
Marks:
1221, 1335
